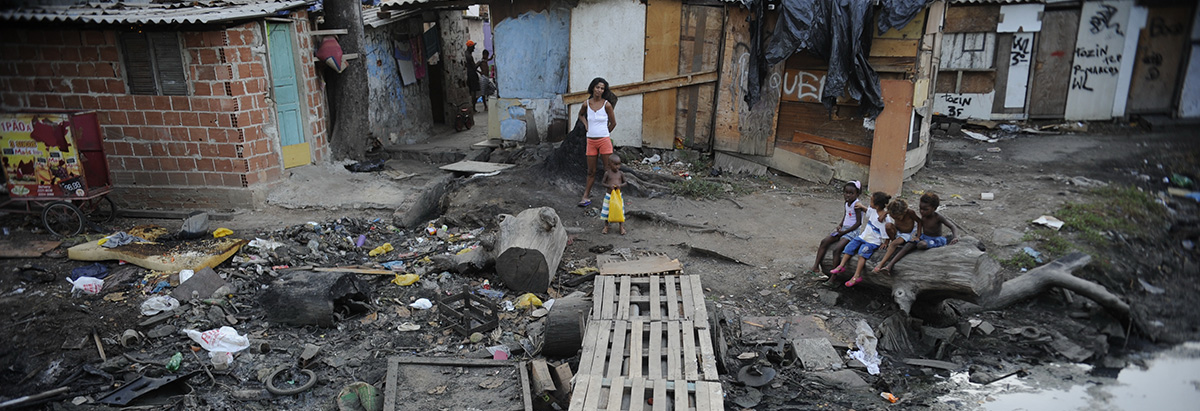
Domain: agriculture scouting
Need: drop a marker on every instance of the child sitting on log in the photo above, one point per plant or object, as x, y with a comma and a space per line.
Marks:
873, 235
906, 230
930, 231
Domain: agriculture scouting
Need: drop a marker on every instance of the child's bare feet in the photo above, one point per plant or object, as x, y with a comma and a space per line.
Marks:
885, 270
877, 268
622, 230
605, 231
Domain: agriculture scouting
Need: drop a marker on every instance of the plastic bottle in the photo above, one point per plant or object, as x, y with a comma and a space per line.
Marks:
175, 361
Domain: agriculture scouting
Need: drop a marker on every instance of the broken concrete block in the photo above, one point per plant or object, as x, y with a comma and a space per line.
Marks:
201, 285
817, 354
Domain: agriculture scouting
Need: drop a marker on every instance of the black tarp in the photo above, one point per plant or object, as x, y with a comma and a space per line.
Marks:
837, 31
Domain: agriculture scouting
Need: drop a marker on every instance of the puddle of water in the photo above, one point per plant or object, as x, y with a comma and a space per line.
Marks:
1171, 381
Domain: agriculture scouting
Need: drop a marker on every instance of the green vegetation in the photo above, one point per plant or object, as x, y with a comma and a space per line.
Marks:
1124, 209
697, 188
1019, 260
1050, 241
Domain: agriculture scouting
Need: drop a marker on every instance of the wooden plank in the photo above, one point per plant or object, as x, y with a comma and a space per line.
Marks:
598, 298
739, 127
655, 299
328, 32
1052, 63
623, 300
389, 391
894, 47
637, 394
642, 87
891, 137
616, 391
661, 61
674, 370
645, 265
526, 399
843, 124
26, 249
637, 355
690, 359
1161, 45
655, 357
703, 399
660, 395
685, 296
562, 380
700, 315
468, 166
600, 355
681, 396
713, 389
794, 164
852, 152
708, 358
672, 309
594, 392
590, 335
542, 381
609, 304
582, 384
616, 355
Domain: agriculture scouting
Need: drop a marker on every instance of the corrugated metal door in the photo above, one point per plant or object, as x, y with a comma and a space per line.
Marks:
287, 96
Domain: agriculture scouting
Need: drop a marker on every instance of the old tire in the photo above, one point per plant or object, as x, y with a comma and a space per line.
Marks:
564, 327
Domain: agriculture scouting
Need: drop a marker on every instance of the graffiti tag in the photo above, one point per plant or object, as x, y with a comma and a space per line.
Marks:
1103, 20
1159, 27
1021, 49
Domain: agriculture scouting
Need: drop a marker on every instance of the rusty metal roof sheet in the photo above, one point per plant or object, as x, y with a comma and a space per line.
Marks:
194, 12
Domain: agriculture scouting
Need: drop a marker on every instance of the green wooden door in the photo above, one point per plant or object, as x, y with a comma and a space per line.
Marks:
287, 95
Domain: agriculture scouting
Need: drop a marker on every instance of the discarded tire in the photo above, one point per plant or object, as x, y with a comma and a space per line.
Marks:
564, 327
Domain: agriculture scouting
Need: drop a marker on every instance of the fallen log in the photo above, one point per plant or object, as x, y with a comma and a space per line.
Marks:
472, 261
302, 297
528, 249
961, 271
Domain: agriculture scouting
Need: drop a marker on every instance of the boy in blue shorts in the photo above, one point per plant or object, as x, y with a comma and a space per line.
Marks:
873, 235
931, 229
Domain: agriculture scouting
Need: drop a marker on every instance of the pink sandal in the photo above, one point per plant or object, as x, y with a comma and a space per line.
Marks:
853, 281
837, 270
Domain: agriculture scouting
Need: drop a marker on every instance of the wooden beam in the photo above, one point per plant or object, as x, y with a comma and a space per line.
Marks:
642, 87
329, 32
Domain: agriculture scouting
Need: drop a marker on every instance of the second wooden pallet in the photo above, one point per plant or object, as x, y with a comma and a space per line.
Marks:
650, 298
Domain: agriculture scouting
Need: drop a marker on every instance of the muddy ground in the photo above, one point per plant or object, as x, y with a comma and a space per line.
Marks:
770, 224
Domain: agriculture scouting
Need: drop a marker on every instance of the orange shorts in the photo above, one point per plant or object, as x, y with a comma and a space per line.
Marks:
599, 145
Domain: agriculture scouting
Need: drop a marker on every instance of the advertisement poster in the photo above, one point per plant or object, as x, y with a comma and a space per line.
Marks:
39, 156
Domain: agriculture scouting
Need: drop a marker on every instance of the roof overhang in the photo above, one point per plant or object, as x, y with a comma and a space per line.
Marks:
190, 13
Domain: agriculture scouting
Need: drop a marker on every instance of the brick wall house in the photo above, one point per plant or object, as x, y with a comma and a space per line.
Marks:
200, 130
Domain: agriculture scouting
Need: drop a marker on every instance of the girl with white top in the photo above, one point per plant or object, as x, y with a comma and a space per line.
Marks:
599, 121
846, 230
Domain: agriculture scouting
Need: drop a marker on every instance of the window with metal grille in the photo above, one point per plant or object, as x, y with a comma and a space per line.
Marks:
154, 63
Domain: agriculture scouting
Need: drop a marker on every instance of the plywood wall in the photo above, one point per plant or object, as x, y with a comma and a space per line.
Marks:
608, 40
1099, 46
740, 128
699, 51
662, 61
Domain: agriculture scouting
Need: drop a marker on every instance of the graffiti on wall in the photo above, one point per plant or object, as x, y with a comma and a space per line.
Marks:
1098, 60
964, 105
803, 85
1020, 55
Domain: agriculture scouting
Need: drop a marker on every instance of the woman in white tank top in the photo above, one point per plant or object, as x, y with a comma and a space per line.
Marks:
598, 118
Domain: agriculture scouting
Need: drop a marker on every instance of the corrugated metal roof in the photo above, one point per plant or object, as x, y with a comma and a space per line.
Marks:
195, 12
372, 19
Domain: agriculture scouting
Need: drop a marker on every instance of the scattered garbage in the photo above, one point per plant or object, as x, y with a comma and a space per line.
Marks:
174, 363
422, 304
88, 285
359, 396
499, 352
889, 397
978, 136
987, 196
118, 239
221, 232
386, 247
144, 385
366, 166
1049, 221
393, 265
220, 342
490, 293
158, 304
1150, 288
756, 375
407, 326
866, 341
652, 159
195, 226
95, 270
1037, 256
267, 245
406, 279
528, 300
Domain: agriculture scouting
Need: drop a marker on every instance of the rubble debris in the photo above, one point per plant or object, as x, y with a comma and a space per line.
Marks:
203, 284
302, 297
756, 375
563, 334
1049, 221
468, 313
865, 341
146, 385
359, 396
26, 249
309, 382
816, 354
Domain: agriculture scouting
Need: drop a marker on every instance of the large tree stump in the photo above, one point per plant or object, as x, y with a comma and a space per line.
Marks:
312, 298
961, 271
528, 249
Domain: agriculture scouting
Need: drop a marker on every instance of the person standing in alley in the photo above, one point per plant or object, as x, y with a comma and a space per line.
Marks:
486, 86
472, 74
599, 120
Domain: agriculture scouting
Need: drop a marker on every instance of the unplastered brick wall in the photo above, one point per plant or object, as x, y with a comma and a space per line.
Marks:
217, 147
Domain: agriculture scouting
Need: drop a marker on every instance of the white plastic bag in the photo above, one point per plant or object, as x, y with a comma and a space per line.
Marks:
866, 342
89, 285
185, 275
158, 304
224, 339
422, 304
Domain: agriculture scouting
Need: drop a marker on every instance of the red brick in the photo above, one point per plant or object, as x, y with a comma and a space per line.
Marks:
204, 73
133, 132
22, 85
178, 133
186, 163
197, 134
54, 101
159, 178
161, 103
150, 164
252, 178
107, 102
50, 53
213, 179
199, 104
73, 102
87, 69
225, 120
237, 88
117, 118
132, 163
115, 86
243, 119
89, 103
209, 150
158, 149
42, 85
223, 165
154, 118
170, 118
94, 37
108, 54
143, 103
134, 118
202, 88
125, 103
232, 180
226, 104
89, 54
168, 164
226, 150
121, 148
194, 178
192, 40
179, 103
190, 119
205, 164
206, 56
105, 70
258, 116
207, 119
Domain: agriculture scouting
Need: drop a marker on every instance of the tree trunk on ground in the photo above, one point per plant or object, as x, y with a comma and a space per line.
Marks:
311, 298
349, 128
528, 249
960, 271
563, 335
469, 262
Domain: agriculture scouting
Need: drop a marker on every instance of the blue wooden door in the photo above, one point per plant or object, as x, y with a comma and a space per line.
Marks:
287, 95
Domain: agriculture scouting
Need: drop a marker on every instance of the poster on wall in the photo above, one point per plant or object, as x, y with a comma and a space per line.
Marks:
39, 156
404, 62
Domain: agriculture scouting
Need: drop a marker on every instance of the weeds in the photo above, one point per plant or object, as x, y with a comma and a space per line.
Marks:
1019, 260
1124, 209
697, 188
1050, 241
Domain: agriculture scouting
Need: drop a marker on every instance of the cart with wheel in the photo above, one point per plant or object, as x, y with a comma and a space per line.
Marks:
54, 166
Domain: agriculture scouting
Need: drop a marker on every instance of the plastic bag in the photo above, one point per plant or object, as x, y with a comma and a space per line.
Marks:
158, 304
866, 342
89, 285
224, 339
381, 249
528, 300
406, 279
422, 304
613, 209
221, 232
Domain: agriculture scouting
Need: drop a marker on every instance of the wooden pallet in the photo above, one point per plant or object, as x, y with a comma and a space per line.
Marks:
651, 350
597, 393
651, 298
653, 264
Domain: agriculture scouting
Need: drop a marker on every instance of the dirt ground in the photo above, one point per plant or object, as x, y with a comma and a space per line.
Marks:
769, 224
